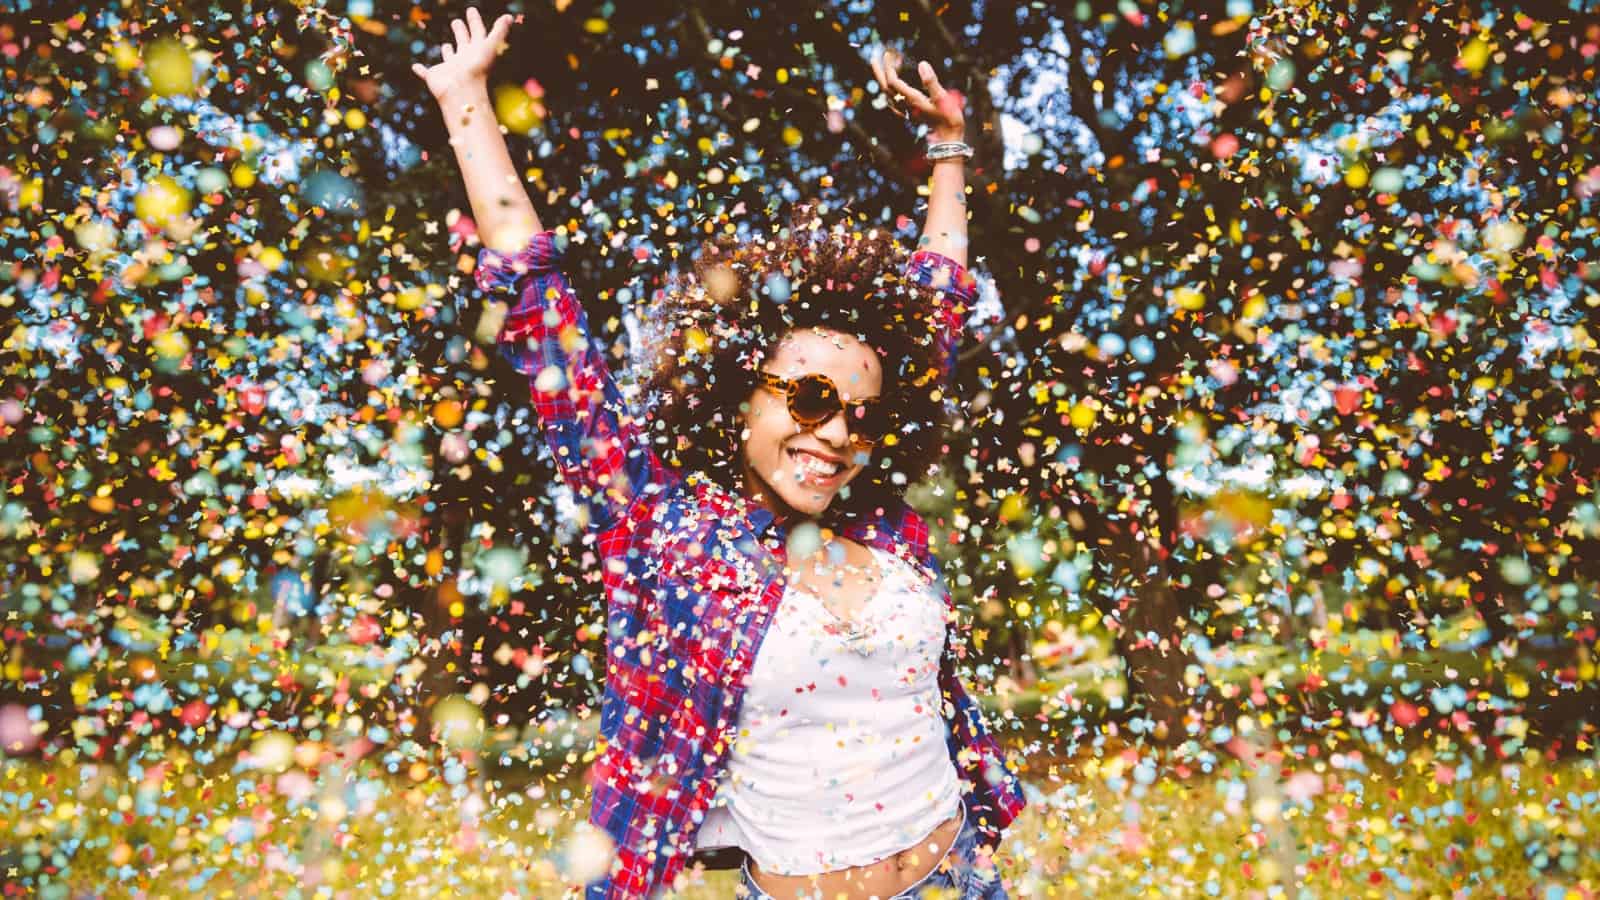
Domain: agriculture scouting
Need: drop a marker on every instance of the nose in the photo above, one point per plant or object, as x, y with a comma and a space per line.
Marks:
835, 431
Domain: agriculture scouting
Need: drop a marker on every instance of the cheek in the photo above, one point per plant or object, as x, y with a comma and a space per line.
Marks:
762, 430
769, 418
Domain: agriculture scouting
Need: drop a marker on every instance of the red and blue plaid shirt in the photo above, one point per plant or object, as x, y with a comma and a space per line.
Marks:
692, 575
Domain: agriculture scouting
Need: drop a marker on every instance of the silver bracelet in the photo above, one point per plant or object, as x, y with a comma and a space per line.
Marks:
948, 150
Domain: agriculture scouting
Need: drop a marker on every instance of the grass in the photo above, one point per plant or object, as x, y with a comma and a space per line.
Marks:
1337, 818
1112, 822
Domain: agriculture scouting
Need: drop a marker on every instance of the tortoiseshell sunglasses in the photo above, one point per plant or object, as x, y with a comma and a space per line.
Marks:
814, 399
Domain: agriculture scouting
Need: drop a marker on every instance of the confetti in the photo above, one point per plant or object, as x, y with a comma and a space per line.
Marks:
1267, 508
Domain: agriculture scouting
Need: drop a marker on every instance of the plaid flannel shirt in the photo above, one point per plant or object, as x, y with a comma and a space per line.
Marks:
692, 575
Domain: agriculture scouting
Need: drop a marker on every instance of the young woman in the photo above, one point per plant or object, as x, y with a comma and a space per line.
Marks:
780, 675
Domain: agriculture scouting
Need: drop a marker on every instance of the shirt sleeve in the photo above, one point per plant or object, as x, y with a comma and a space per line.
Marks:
600, 448
952, 290
994, 792
993, 789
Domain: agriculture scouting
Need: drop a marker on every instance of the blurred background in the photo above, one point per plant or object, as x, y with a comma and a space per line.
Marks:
1271, 508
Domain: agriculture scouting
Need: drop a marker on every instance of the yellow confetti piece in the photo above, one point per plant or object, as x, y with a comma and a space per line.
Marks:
162, 202
169, 67
1082, 416
1188, 298
516, 109
1475, 55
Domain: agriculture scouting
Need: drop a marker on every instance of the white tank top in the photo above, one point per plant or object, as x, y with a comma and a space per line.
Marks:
840, 758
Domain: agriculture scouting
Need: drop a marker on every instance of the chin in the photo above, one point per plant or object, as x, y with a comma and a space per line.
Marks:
809, 501
805, 502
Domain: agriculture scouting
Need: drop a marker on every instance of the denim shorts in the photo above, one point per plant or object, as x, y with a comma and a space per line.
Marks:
960, 873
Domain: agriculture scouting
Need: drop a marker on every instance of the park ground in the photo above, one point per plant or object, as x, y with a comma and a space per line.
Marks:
1107, 823
1346, 803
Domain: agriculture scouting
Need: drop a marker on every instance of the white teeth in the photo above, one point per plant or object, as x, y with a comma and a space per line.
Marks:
811, 465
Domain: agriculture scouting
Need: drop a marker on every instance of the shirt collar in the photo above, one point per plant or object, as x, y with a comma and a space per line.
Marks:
764, 523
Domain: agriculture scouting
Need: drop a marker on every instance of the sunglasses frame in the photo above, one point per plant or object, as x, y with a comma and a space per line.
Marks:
790, 388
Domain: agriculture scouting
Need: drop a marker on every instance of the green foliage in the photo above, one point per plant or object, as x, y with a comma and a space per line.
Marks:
1295, 293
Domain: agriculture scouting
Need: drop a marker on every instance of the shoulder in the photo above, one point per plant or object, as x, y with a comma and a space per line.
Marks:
906, 524
699, 520
891, 524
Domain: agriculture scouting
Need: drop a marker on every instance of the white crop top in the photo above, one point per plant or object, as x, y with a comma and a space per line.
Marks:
840, 758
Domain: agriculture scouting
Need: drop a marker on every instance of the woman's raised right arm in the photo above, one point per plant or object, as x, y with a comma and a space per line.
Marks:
600, 449
460, 83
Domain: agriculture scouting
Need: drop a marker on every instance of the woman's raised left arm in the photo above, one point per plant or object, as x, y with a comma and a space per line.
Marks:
939, 265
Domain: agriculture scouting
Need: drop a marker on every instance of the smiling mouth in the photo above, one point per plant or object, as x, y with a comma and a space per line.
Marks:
812, 466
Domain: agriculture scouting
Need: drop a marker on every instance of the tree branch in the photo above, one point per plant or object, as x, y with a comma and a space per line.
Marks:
954, 47
881, 155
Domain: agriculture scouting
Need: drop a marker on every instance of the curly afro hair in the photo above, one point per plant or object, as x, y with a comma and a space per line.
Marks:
713, 328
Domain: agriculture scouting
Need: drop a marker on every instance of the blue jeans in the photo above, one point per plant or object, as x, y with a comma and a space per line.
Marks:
959, 872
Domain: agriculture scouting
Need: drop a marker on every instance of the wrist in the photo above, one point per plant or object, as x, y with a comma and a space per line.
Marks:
466, 92
948, 151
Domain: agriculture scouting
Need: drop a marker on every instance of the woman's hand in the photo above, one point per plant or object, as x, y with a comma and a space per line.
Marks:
944, 231
465, 68
940, 108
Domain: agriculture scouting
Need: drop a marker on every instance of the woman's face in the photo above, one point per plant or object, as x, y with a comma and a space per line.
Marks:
791, 468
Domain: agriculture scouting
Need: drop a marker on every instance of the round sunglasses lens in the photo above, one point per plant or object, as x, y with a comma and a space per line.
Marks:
868, 423
814, 401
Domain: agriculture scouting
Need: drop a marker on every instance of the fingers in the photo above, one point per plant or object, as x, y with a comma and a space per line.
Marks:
475, 23
446, 52
502, 25
421, 70
884, 64
916, 97
930, 81
885, 68
463, 37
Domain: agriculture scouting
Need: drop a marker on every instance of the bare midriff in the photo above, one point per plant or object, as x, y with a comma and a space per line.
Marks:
884, 878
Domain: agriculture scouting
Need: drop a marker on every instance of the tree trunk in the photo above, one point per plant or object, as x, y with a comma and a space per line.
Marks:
1021, 659
1146, 629
1149, 620
1496, 601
